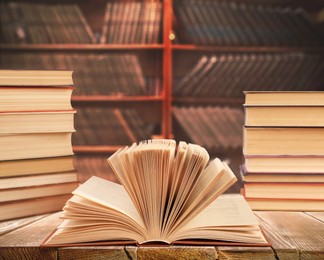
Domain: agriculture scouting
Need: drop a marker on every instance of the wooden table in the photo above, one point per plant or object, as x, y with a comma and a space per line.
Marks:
293, 235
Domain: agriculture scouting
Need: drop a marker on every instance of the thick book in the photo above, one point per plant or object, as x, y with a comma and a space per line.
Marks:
284, 98
284, 164
31, 207
35, 99
295, 116
30, 90
36, 78
35, 180
34, 145
288, 190
36, 166
36, 122
169, 194
34, 191
283, 141
285, 204
284, 177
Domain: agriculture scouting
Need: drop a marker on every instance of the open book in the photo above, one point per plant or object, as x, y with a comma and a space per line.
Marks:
168, 194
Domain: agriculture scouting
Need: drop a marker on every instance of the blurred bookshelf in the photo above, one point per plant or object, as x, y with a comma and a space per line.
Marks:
136, 62
118, 75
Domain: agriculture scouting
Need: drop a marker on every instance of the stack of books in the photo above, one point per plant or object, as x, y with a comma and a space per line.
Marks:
283, 146
36, 123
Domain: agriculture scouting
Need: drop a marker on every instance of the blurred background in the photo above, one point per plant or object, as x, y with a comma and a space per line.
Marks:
165, 69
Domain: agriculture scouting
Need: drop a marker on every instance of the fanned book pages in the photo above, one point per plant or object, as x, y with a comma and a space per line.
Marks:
168, 194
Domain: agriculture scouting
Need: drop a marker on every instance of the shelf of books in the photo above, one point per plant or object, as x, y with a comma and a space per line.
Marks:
116, 51
138, 63
221, 49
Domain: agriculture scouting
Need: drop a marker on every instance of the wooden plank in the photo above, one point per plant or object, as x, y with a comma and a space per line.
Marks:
28, 253
207, 101
260, 253
80, 47
176, 252
111, 252
94, 149
116, 99
10, 225
317, 215
235, 49
24, 243
32, 234
293, 235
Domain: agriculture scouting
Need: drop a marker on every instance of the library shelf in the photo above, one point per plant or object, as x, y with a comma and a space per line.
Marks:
153, 57
165, 55
114, 101
95, 149
207, 101
244, 49
80, 47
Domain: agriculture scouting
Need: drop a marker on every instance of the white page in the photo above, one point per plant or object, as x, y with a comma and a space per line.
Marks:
109, 194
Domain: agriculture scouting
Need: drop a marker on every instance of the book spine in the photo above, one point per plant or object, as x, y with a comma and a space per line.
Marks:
125, 126
182, 85
134, 29
84, 28
151, 22
107, 22
143, 21
128, 21
198, 87
157, 24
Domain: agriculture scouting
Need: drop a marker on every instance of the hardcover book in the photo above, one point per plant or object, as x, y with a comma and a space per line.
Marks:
284, 164
272, 141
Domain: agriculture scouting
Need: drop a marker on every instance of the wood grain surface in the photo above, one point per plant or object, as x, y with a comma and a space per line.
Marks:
292, 235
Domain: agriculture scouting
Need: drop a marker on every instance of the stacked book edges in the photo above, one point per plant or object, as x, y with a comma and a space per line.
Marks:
36, 123
283, 147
